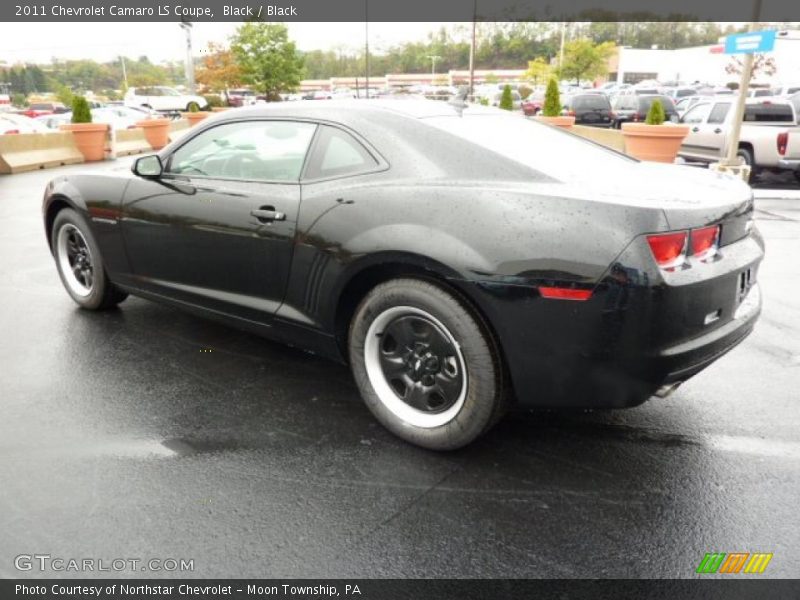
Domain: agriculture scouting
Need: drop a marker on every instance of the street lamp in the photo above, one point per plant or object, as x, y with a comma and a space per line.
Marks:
187, 27
433, 58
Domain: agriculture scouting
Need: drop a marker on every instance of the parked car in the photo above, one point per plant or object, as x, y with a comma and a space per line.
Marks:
11, 123
163, 99
676, 93
241, 97
786, 90
119, 117
634, 108
379, 264
37, 109
789, 151
533, 104
794, 100
688, 102
592, 109
711, 124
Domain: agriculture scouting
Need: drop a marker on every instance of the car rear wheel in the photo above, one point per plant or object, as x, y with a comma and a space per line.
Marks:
80, 264
426, 365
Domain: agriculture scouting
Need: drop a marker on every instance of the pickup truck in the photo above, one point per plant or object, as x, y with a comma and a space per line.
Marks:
789, 151
711, 122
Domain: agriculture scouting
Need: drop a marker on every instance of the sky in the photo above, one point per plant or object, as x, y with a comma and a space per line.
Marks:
39, 42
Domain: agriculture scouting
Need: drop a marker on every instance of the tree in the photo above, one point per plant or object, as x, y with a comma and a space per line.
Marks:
656, 115
538, 70
267, 58
552, 100
584, 60
219, 70
506, 101
762, 65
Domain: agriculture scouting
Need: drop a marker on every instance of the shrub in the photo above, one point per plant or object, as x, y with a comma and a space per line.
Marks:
656, 115
19, 100
80, 110
525, 91
552, 100
483, 101
213, 101
506, 101
193, 108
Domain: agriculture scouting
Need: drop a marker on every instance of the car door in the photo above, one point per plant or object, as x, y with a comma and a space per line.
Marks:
694, 145
217, 228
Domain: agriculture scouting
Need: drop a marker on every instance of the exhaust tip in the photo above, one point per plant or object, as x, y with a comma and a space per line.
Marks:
666, 390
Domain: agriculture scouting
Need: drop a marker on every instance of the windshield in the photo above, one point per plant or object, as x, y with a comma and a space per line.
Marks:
591, 101
768, 113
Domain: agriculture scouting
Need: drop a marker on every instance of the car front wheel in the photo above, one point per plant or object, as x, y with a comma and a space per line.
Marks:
80, 264
426, 364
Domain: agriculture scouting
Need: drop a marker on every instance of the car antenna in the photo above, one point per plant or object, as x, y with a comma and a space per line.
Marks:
459, 101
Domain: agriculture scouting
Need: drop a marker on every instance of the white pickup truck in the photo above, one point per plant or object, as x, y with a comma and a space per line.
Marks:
765, 122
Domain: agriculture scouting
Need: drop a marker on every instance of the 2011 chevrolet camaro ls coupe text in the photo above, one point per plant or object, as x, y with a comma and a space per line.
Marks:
457, 258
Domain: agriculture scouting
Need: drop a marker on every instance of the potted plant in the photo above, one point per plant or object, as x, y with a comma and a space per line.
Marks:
156, 132
654, 140
90, 138
551, 111
194, 116
506, 100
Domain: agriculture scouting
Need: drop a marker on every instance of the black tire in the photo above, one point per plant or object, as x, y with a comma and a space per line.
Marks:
746, 155
101, 293
483, 398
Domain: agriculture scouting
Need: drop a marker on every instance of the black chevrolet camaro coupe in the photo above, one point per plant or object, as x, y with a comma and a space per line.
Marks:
457, 258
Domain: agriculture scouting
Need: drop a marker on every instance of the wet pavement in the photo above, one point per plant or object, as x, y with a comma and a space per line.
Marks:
145, 433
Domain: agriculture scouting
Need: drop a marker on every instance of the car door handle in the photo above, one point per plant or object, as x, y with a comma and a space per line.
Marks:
267, 214
718, 130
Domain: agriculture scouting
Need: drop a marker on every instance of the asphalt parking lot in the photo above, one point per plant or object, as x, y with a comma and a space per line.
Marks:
148, 433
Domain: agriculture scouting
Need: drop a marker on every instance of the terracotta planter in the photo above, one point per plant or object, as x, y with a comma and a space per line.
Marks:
560, 121
220, 108
156, 132
658, 143
90, 139
194, 117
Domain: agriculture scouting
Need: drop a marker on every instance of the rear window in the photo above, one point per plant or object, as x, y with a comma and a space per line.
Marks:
768, 113
666, 102
591, 101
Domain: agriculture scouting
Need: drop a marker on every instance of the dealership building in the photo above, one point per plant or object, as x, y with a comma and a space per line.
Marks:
705, 64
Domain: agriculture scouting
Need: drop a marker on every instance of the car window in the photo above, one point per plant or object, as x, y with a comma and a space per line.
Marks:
719, 112
338, 153
591, 101
792, 90
246, 150
697, 114
768, 113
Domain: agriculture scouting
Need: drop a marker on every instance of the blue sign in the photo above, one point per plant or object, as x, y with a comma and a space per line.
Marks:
750, 43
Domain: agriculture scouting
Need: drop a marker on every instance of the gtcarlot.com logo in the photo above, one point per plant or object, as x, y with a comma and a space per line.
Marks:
735, 562
46, 562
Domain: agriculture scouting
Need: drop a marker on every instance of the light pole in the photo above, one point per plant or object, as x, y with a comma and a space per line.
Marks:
124, 73
433, 58
187, 27
472, 50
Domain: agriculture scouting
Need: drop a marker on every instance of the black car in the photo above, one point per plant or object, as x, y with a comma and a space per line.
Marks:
426, 245
634, 108
589, 109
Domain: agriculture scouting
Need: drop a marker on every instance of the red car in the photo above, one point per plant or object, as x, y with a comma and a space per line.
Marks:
532, 105
37, 109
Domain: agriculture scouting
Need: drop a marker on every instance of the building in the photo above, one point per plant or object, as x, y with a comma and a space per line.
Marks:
705, 64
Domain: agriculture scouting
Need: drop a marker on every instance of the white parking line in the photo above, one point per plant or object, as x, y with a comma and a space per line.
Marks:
755, 446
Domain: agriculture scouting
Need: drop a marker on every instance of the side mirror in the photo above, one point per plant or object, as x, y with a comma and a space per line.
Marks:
148, 166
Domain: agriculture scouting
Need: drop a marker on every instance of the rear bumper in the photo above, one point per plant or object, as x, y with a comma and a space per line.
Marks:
786, 163
638, 332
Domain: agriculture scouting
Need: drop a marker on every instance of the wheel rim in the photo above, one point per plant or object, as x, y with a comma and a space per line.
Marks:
415, 366
75, 260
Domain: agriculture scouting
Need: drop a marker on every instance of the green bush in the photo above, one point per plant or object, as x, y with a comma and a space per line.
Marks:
506, 101
80, 110
193, 108
483, 101
552, 100
213, 101
656, 115
525, 91
19, 100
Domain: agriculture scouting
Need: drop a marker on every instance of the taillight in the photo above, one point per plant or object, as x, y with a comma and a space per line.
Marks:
570, 113
783, 141
669, 249
11, 131
564, 293
705, 242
